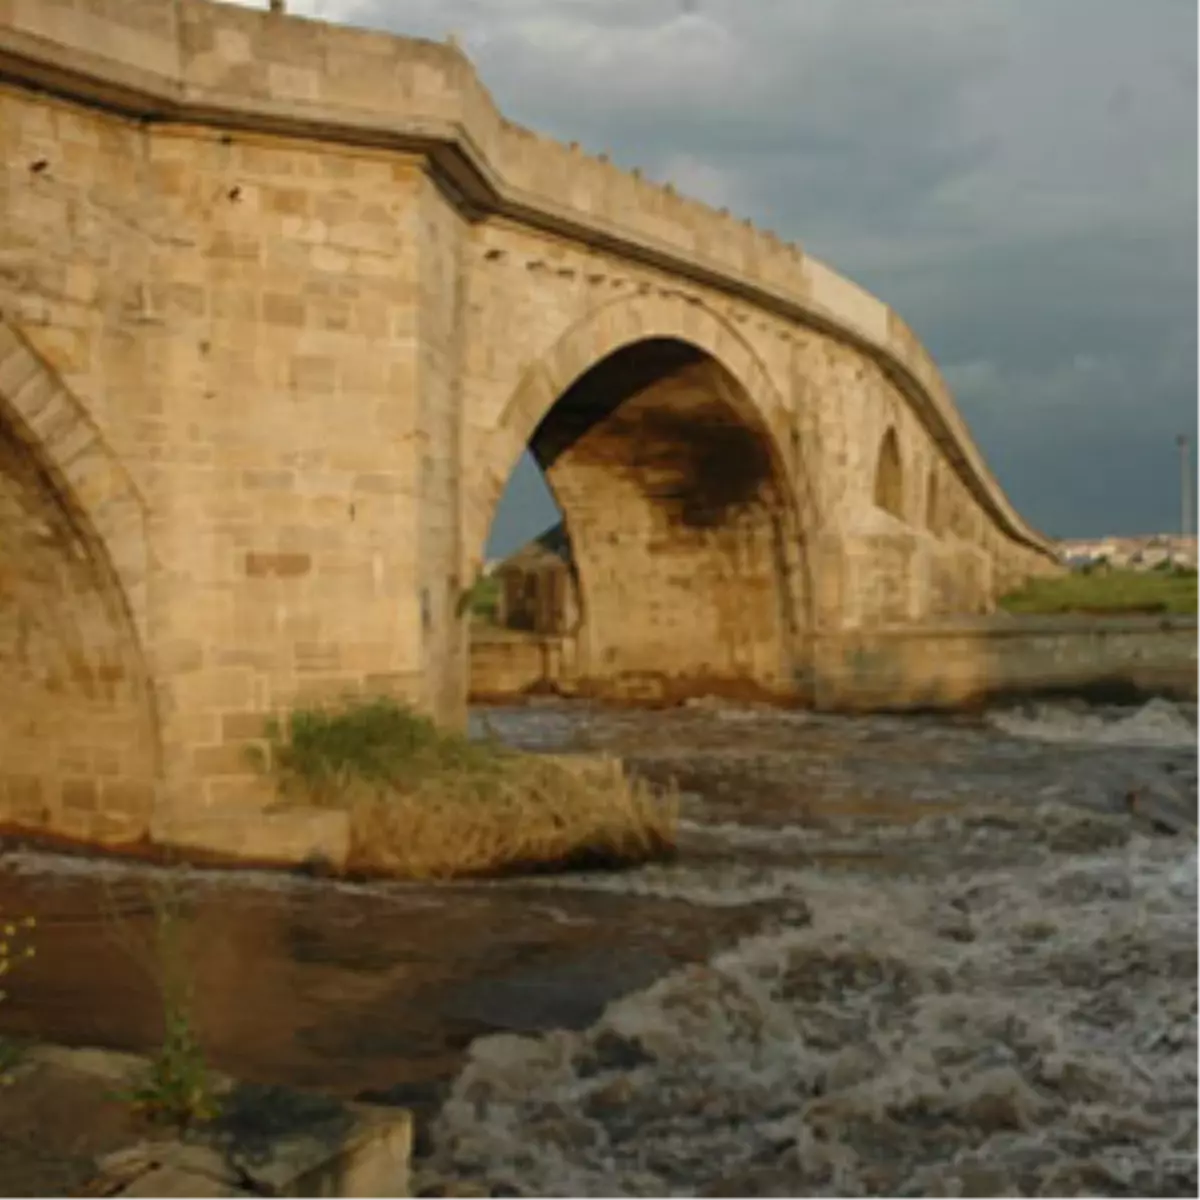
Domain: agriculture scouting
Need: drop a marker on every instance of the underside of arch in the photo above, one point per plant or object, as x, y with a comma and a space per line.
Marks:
687, 545
78, 732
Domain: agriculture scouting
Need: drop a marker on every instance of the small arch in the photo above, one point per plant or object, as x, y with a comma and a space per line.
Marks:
933, 503
889, 476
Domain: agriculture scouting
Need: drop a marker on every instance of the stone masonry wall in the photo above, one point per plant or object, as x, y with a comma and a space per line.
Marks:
305, 296
677, 519
77, 747
241, 67
441, 236
965, 663
239, 319
950, 665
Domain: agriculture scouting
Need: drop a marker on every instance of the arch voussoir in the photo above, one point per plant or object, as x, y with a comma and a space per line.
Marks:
69, 448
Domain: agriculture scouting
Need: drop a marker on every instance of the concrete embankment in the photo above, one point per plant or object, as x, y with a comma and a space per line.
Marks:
946, 665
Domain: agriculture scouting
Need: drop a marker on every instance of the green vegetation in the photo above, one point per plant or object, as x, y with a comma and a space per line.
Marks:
12, 952
176, 1088
1104, 590
425, 803
482, 600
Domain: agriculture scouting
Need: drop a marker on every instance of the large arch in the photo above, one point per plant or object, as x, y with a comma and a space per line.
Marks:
79, 745
669, 451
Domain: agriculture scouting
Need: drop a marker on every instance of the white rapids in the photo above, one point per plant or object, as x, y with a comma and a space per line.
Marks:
1022, 1027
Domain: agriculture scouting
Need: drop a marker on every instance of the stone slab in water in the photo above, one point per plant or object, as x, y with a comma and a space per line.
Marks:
267, 837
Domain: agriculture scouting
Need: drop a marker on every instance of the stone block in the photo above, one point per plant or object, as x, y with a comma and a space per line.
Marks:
283, 837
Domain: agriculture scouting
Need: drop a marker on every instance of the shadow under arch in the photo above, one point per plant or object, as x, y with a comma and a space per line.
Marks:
656, 425
80, 748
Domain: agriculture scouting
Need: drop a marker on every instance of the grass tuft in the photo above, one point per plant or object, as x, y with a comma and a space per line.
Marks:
428, 804
176, 1087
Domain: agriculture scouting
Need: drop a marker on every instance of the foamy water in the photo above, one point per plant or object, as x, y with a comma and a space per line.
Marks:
1006, 1005
1027, 1031
1157, 723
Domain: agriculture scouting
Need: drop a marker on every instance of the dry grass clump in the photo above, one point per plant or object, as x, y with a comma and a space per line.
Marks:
427, 804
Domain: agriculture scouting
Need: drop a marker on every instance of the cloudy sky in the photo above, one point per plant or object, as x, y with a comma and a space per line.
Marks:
1016, 177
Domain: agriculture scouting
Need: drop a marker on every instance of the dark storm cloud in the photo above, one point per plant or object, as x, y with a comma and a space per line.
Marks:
1018, 178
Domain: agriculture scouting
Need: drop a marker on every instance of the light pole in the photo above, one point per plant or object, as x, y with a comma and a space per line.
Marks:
1185, 473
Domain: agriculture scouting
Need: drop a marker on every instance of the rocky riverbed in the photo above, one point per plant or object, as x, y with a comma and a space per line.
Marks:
896, 955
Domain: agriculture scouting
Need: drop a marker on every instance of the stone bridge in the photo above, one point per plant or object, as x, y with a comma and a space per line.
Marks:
282, 303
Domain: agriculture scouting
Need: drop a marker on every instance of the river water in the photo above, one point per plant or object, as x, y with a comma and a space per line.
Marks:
895, 956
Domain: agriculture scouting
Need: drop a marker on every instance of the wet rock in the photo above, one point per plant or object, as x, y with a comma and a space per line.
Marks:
612, 1097
1082, 1177
567, 1132
1000, 1099
815, 975
1160, 809
504, 1188
983, 1182
757, 1180
1038, 930
854, 1065
464, 1189
1075, 1080
955, 925
1086, 834
612, 1052
1086, 886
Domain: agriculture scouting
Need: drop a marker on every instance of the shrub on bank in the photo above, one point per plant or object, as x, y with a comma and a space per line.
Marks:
425, 803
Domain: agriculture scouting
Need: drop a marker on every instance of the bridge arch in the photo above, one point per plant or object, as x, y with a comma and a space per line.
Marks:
79, 735
672, 456
889, 475
933, 502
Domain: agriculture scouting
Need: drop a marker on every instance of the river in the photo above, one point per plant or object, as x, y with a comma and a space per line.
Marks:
896, 956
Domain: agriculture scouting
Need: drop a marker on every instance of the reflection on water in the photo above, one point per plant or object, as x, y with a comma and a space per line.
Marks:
896, 956
349, 989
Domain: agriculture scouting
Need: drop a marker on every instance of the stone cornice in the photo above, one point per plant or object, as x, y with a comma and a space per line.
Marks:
200, 63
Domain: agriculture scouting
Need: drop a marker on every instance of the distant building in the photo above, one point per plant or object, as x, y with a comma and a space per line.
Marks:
537, 586
1146, 553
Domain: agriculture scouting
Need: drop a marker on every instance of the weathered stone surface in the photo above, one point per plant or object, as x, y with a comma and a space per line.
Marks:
914, 666
259, 395
371, 1160
246, 832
